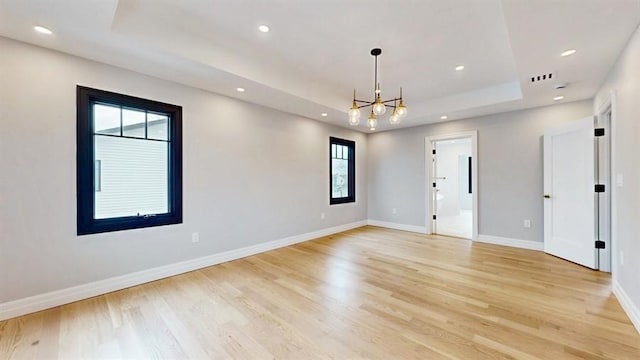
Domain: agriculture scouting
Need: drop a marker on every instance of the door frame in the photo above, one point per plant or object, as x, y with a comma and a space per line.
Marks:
609, 104
428, 164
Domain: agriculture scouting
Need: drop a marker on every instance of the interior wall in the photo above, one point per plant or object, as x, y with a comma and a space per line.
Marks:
251, 175
624, 81
509, 169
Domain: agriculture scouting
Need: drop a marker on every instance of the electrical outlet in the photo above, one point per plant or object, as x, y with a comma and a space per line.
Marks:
322, 215
394, 211
195, 237
621, 258
527, 223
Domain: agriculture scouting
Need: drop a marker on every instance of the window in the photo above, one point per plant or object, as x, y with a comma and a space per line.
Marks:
342, 171
129, 162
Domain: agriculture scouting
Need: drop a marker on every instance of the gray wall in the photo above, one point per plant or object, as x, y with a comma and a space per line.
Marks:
509, 169
624, 80
251, 175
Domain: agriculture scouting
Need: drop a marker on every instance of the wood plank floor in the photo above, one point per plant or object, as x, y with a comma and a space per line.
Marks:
365, 293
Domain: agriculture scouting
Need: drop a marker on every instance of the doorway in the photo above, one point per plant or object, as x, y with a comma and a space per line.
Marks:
452, 185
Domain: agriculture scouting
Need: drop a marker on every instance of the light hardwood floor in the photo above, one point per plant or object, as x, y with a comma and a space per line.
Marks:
365, 293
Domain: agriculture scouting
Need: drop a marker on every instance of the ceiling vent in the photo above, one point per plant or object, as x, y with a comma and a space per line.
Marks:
542, 77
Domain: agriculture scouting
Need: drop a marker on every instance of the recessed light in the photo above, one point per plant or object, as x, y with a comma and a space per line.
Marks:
240, 89
558, 98
372, 129
568, 52
264, 28
459, 67
443, 117
324, 114
42, 30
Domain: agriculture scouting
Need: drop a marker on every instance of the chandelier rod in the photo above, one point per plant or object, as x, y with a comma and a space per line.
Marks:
375, 81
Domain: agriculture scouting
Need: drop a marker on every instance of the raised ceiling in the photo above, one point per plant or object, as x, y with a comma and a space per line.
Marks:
317, 52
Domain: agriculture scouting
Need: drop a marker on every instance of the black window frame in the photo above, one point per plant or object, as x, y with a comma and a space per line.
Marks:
351, 171
86, 223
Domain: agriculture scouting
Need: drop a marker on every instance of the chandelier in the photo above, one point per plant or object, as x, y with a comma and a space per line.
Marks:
378, 106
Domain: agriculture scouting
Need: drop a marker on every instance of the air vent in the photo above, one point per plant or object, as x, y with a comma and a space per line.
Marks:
542, 77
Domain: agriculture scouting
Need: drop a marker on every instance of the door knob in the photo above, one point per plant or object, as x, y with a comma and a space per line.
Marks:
547, 196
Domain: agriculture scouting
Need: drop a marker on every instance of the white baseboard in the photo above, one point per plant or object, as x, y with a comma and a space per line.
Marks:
64, 296
633, 312
524, 244
404, 227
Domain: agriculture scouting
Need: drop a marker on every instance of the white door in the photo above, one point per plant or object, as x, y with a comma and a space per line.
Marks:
569, 197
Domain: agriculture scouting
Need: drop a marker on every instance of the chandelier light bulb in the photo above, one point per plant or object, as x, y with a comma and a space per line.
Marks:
354, 113
394, 118
372, 121
378, 107
401, 110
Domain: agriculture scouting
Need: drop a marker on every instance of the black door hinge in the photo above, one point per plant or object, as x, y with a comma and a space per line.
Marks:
598, 132
599, 188
434, 184
433, 151
434, 217
599, 244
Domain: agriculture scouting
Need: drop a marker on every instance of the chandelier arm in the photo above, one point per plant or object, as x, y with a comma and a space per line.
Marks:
370, 103
391, 100
374, 101
365, 105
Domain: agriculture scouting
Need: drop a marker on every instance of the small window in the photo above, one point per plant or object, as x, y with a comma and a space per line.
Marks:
129, 162
342, 171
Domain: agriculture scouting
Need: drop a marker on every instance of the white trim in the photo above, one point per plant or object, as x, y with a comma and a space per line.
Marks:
523, 244
474, 176
396, 226
633, 312
603, 256
64, 296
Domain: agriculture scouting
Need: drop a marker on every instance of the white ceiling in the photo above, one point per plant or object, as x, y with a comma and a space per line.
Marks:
317, 52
